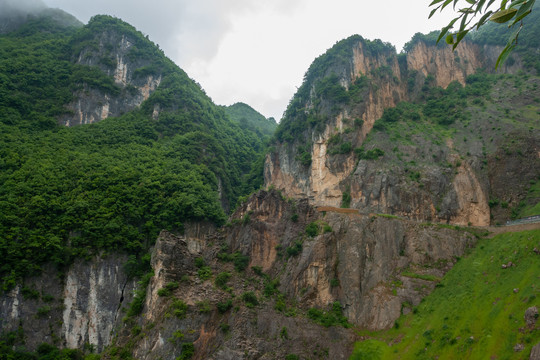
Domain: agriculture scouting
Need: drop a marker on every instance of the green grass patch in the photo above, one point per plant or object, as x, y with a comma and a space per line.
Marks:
477, 314
420, 276
531, 203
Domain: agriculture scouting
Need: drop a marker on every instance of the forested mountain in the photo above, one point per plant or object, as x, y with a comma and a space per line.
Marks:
114, 184
138, 220
249, 118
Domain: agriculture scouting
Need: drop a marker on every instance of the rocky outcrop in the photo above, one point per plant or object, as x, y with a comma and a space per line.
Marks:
449, 182
242, 333
81, 308
372, 265
113, 56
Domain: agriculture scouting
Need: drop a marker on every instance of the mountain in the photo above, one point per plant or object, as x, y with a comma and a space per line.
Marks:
371, 237
249, 118
104, 143
437, 125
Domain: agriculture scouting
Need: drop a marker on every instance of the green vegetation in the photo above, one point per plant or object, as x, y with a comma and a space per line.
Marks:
204, 273
221, 280
168, 289
531, 204
188, 350
137, 304
223, 307
113, 185
510, 13
179, 308
477, 313
240, 261
346, 199
295, 249
250, 299
312, 229
250, 119
333, 317
327, 85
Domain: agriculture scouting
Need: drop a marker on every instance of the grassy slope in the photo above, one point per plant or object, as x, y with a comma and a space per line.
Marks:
475, 312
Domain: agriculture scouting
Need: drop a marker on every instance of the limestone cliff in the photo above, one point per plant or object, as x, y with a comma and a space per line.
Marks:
318, 162
81, 308
118, 55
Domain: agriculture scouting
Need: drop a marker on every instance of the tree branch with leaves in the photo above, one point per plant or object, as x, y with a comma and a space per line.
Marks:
505, 11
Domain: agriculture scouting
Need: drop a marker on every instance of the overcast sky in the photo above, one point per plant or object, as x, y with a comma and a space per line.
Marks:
258, 51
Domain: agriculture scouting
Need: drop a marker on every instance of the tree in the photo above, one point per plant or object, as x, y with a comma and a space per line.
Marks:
509, 11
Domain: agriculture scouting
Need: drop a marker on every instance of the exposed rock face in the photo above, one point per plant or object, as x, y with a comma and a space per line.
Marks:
361, 257
113, 58
83, 308
251, 334
459, 196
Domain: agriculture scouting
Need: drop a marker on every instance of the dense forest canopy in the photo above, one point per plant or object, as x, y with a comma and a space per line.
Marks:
112, 185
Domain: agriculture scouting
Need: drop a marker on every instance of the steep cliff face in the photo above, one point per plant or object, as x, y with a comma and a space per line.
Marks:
115, 53
318, 161
195, 312
366, 262
81, 308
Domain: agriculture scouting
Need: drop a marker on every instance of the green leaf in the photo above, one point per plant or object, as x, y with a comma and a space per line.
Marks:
472, 2
480, 5
445, 29
504, 55
503, 16
483, 19
450, 39
460, 35
517, 2
431, 13
524, 10
446, 4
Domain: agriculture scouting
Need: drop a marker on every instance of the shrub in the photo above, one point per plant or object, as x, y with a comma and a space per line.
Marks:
221, 280
43, 311
284, 333
204, 273
346, 199
240, 261
179, 308
329, 318
29, 293
168, 289
270, 287
312, 229
199, 262
292, 357
137, 304
223, 307
203, 306
188, 350
224, 327
176, 335
257, 270
250, 299
295, 249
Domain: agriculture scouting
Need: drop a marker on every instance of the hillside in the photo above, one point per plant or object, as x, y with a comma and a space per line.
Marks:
481, 309
424, 134
139, 220
249, 118
159, 155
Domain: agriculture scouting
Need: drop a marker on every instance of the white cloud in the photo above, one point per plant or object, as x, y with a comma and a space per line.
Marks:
258, 52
